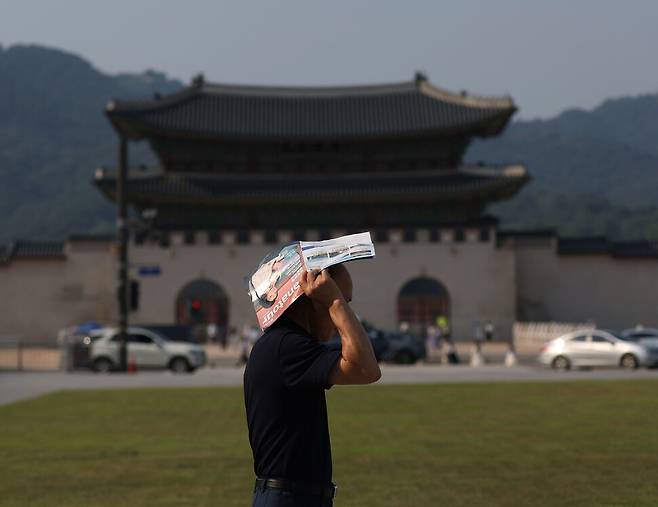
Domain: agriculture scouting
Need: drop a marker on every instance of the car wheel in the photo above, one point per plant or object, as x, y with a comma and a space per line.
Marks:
405, 357
103, 365
179, 365
629, 362
561, 363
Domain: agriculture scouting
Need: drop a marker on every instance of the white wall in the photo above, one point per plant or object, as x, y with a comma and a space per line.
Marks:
40, 297
479, 278
612, 292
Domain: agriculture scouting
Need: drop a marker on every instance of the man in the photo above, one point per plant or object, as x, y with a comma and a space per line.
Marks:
488, 330
284, 382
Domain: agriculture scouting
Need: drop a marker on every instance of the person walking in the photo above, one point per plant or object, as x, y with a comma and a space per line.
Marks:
431, 344
489, 330
285, 380
451, 351
245, 337
476, 351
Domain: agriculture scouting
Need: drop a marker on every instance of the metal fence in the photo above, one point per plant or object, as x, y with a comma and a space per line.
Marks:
530, 336
17, 354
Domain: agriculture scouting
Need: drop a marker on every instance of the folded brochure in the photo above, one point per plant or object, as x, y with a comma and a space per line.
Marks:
275, 284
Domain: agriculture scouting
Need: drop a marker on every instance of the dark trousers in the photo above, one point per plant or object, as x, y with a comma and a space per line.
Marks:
277, 498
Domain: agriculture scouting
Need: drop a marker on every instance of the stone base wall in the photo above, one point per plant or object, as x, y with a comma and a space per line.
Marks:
485, 280
612, 292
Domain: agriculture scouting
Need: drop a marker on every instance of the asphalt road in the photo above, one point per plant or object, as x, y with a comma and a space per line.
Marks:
15, 386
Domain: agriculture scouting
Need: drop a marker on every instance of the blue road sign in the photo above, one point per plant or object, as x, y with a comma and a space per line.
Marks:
149, 271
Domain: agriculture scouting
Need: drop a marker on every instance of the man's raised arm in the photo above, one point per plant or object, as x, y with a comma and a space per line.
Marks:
357, 364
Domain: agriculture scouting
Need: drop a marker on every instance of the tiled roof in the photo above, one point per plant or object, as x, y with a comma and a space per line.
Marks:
31, 250
526, 233
587, 245
259, 112
584, 245
635, 249
92, 238
465, 183
591, 245
37, 249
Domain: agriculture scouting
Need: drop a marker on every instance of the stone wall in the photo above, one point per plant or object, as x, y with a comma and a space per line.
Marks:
479, 277
41, 296
613, 292
527, 279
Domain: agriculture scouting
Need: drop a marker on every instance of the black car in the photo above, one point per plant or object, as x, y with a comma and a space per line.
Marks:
394, 347
377, 339
403, 348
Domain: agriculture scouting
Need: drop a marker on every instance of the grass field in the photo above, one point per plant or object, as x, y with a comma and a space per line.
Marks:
542, 444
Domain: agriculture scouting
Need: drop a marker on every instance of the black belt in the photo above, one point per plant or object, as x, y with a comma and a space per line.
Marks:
300, 488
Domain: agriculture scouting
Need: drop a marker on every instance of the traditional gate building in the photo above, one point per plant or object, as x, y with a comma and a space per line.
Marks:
241, 169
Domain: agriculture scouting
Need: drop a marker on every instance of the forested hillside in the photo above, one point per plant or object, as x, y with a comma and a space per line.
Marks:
594, 172
53, 134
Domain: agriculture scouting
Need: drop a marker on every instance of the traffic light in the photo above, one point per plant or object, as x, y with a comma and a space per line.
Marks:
134, 295
196, 313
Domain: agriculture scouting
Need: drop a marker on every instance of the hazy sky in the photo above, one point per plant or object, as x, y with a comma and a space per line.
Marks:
549, 55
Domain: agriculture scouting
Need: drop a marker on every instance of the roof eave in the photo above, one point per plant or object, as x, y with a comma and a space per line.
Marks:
499, 187
135, 129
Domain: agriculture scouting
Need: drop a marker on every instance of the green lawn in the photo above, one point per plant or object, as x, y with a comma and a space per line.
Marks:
541, 444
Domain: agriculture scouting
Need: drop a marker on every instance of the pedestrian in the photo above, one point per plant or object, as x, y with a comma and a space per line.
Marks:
439, 343
476, 351
431, 342
284, 383
478, 332
451, 351
232, 336
211, 332
245, 336
489, 330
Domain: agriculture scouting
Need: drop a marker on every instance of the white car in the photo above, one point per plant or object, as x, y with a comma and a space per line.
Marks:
146, 349
593, 348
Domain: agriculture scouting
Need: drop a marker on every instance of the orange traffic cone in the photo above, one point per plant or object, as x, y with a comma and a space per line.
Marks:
132, 365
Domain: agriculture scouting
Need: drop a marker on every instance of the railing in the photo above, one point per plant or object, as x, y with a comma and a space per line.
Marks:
17, 354
530, 336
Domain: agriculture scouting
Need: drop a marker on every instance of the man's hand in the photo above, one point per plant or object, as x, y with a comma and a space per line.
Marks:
320, 287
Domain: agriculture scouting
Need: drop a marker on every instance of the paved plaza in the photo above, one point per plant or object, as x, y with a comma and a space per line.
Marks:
16, 386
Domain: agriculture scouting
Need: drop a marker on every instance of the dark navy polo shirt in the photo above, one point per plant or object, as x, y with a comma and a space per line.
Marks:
284, 383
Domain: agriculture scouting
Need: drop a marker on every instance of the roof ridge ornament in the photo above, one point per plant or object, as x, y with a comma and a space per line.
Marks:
420, 77
198, 80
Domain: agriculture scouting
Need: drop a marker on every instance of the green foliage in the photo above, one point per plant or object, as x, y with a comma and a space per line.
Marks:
594, 172
577, 215
53, 135
586, 152
559, 443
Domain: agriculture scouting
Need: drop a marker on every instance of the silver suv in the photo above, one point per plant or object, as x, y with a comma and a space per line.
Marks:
146, 349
